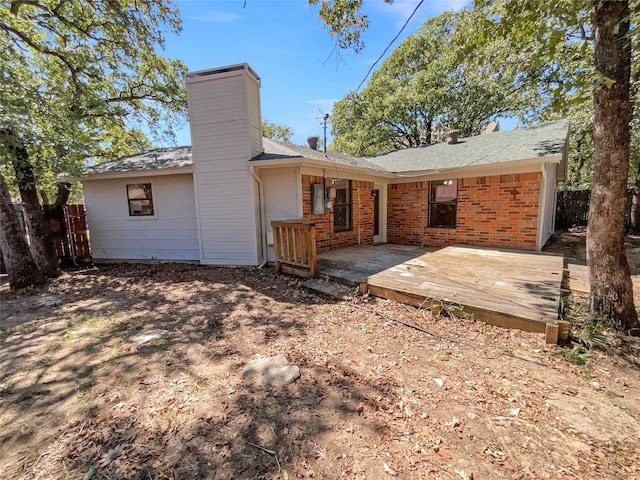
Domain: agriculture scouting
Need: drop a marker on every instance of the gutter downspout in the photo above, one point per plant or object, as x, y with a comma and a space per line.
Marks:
263, 228
543, 207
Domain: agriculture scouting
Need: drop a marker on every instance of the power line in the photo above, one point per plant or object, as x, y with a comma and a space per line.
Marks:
390, 43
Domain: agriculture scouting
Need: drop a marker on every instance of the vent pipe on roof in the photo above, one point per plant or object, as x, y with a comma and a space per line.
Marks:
452, 136
313, 142
493, 126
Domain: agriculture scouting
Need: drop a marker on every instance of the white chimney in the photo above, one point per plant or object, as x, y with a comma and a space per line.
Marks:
226, 132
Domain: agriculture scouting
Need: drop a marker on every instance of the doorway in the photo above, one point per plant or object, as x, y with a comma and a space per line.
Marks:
379, 194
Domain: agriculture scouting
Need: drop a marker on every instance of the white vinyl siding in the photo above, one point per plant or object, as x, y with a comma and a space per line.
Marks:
171, 234
282, 198
255, 117
219, 116
547, 208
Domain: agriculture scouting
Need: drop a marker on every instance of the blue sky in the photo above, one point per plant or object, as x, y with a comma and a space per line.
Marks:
284, 42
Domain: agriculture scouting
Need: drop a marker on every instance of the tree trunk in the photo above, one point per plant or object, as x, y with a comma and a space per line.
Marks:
20, 266
609, 274
42, 249
634, 217
62, 195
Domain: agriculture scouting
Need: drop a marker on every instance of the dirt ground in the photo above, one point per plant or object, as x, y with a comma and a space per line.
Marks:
376, 399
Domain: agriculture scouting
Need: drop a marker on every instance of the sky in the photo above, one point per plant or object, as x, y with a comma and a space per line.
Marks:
302, 73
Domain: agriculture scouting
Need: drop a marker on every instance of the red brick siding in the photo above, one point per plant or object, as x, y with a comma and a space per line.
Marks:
361, 232
488, 214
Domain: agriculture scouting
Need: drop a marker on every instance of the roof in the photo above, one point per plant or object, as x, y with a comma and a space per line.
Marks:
159, 158
274, 150
545, 140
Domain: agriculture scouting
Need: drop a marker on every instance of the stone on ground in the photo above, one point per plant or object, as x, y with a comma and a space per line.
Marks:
274, 371
144, 337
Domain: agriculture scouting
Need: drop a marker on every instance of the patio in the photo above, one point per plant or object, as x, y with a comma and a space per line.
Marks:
511, 289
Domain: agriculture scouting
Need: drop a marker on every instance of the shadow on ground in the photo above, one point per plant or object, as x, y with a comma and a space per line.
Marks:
74, 388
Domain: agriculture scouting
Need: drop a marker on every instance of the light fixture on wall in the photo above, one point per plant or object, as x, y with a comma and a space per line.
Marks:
374, 193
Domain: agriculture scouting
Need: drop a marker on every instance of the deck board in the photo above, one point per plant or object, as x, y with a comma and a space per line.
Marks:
507, 288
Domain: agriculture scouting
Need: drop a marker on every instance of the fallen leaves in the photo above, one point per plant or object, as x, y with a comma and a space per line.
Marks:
110, 456
375, 399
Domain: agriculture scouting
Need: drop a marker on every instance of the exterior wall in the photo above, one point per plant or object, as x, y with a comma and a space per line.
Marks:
224, 114
254, 118
171, 234
361, 232
281, 198
488, 213
548, 198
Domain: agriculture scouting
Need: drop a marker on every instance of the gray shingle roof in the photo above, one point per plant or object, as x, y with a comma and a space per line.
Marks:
511, 145
274, 150
544, 140
170, 157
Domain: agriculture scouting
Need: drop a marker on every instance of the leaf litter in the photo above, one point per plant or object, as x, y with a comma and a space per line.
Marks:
375, 398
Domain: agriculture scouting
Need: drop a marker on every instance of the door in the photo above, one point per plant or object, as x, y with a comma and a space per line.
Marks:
379, 214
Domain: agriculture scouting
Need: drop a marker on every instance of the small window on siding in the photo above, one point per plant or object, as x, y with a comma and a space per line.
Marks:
140, 198
342, 205
443, 203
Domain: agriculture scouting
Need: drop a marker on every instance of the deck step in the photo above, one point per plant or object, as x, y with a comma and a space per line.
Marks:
329, 289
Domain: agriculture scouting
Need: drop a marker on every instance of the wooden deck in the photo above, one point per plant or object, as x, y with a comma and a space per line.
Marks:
506, 288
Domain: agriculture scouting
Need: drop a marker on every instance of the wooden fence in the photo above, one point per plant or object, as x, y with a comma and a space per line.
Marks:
68, 231
294, 245
572, 208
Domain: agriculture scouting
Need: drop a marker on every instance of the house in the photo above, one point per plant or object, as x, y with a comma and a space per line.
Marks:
214, 202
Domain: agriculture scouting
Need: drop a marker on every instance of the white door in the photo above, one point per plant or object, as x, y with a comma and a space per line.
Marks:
380, 214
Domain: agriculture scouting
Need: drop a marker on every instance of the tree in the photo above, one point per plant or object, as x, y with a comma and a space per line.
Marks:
277, 132
585, 37
609, 275
81, 80
553, 36
427, 86
20, 267
42, 250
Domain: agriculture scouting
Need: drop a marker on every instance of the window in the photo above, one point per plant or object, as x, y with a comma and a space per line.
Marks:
443, 203
140, 200
342, 205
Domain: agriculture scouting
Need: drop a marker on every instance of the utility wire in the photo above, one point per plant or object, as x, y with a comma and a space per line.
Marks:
390, 43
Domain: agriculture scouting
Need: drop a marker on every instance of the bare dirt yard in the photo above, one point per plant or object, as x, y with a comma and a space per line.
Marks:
376, 399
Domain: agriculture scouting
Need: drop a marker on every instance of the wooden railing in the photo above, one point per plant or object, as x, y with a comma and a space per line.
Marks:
294, 245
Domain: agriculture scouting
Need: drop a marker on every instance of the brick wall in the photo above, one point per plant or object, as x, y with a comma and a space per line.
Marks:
494, 211
361, 232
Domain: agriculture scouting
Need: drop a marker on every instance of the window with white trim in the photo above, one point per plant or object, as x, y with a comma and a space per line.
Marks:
140, 198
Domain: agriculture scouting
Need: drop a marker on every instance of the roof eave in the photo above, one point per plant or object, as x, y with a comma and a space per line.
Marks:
150, 172
311, 162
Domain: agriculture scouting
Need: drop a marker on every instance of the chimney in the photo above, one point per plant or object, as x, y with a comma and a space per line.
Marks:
452, 136
224, 110
313, 142
493, 126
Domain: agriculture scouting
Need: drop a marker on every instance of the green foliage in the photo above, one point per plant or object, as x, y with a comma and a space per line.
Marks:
281, 133
84, 80
576, 355
557, 40
428, 85
344, 21
588, 333
529, 58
